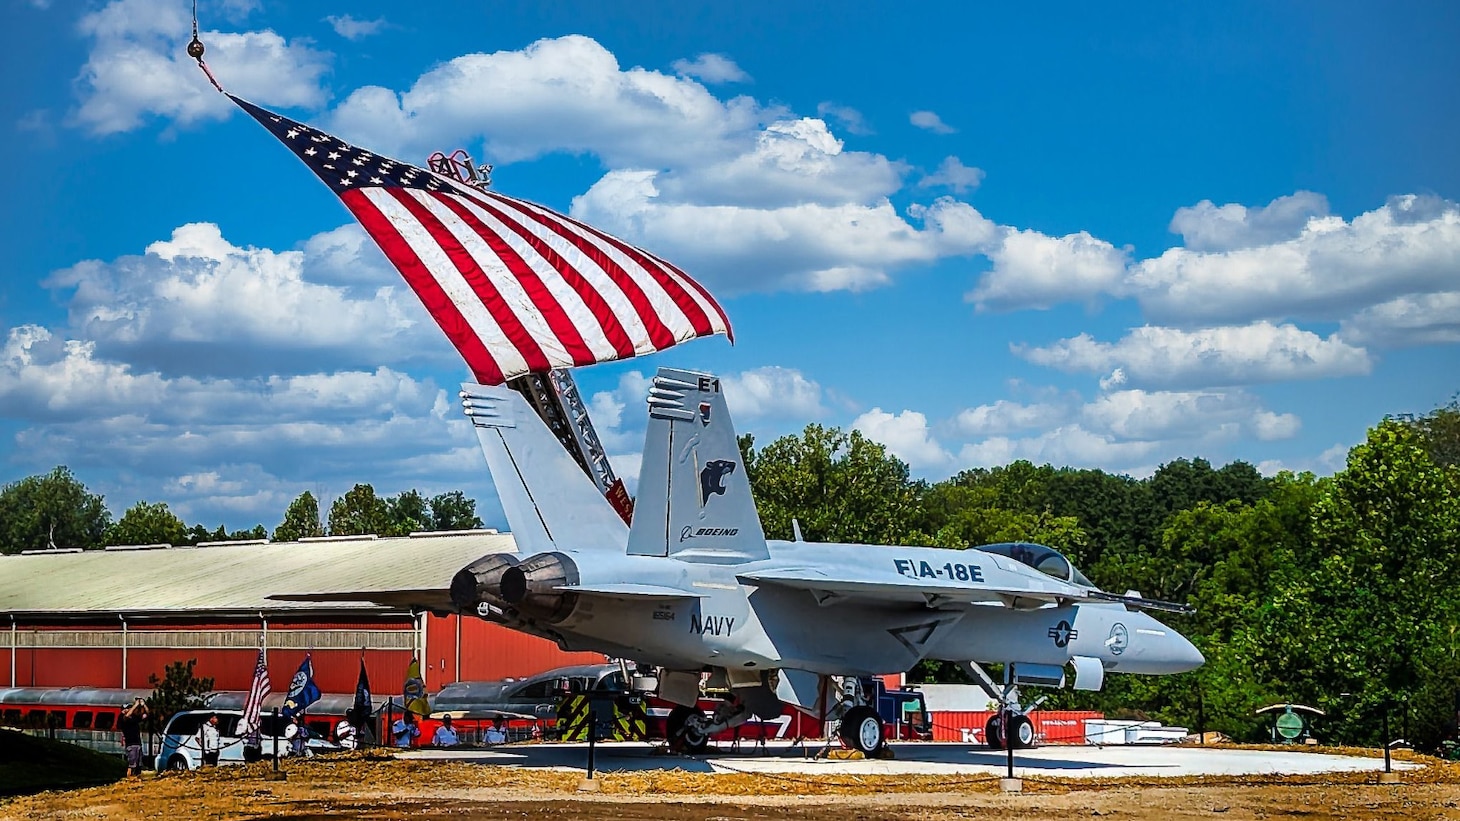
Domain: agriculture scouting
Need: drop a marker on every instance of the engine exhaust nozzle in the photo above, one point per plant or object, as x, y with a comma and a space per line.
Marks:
480, 582
533, 586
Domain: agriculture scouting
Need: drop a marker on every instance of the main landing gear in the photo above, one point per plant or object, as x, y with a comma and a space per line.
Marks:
1007, 729
861, 729
1010, 727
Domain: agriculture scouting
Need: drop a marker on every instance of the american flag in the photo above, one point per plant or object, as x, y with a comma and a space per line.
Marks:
253, 706
518, 288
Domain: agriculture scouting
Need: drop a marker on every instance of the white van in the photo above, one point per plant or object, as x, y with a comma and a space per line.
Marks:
181, 743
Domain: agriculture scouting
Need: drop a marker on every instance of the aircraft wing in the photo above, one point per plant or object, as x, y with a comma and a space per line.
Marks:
828, 587
438, 599
629, 591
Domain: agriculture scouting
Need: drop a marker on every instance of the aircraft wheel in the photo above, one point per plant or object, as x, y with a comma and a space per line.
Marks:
685, 732
862, 730
993, 732
1021, 732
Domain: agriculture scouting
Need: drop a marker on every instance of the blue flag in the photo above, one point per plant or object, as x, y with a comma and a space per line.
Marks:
302, 690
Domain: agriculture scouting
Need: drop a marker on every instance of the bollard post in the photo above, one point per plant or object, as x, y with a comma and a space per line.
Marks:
588, 784
592, 738
1006, 726
1388, 776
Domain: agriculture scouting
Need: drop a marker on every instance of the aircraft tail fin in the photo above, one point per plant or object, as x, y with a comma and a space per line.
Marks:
694, 497
550, 503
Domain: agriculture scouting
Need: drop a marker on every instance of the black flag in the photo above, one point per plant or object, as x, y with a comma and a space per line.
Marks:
363, 706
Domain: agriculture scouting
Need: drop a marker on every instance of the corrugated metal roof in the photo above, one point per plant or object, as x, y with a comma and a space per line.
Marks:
234, 577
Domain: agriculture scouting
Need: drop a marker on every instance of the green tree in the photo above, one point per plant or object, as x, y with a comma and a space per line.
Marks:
301, 520
177, 690
199, 533
359, 512
407, 513
453, 511
53, 510
841, 487
148, 523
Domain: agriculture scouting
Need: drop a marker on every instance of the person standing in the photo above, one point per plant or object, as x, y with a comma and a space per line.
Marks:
131, 726
210, 741
297, 734
406, 730
345, 733
445, 735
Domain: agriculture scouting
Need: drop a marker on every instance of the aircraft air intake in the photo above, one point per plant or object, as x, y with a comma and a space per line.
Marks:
533, 587
481, 582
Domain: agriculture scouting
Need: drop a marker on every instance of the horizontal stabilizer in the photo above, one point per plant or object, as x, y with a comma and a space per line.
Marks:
912, 590
630, 591
425, 599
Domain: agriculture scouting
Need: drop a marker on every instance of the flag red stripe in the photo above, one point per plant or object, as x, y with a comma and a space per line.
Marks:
659, 334
483, 365
693, 283
698, 319
552, 311
477, 280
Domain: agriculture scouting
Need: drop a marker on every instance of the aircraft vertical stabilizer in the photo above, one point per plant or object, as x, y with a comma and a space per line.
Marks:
550, 503
694, 498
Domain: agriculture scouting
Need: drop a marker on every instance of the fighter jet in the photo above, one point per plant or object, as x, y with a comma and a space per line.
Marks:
693, 585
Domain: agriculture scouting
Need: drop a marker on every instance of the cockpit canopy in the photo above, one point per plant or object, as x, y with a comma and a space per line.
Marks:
1046, 560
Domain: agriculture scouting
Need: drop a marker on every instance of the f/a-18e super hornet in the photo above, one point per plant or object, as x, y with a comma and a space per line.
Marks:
692, 584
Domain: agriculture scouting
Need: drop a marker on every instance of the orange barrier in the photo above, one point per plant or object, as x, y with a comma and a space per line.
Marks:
1050, 726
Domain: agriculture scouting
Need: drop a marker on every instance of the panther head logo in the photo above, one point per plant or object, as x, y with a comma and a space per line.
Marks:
712, 478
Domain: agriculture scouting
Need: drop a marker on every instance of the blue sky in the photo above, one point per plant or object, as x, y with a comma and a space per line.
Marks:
1073, 235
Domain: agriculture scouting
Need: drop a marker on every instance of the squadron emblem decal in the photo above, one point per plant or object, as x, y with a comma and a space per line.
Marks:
712, 478
1119, 639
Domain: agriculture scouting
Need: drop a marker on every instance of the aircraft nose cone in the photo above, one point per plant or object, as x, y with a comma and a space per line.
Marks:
1184, 655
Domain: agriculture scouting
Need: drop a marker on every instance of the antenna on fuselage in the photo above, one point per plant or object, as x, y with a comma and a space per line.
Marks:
796, 531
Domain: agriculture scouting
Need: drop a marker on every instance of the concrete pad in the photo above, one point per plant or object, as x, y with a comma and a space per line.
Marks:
922, 759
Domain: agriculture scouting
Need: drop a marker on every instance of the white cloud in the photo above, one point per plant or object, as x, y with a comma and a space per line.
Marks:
1070, 445
712, 68
790, 162
1004, 417
197, 303
955, 175
1209, 227
137, 67
1184, 415
906, 436
1331, 268
1330, 461
1034, 270
800, 247
1420, 319
773, 392
206, 441
351, 29
1231, 355
847, 117
567, 94
929, 121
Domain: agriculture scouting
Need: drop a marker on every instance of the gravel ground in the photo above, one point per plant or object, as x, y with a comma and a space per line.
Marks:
366, 787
